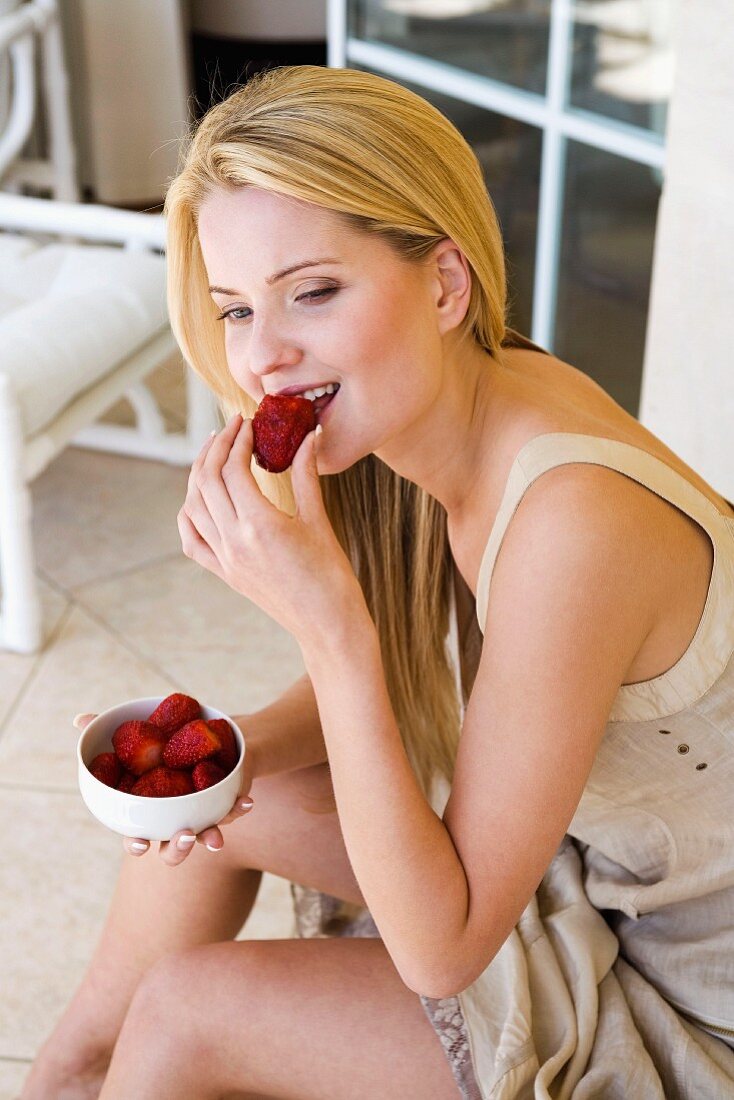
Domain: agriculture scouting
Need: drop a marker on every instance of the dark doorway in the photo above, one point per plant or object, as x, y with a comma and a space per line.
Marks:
221, 64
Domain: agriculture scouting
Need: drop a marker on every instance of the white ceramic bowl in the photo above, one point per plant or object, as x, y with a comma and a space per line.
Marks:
151, 818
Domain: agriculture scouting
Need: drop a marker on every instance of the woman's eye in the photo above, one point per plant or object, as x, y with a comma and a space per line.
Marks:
233, 314
311, 295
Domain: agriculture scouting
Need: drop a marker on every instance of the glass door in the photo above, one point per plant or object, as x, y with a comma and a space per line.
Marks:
565, 104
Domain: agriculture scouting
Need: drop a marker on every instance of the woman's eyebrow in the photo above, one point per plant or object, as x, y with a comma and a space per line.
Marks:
279, 274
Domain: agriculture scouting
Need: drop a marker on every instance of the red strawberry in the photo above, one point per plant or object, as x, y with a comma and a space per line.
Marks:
106, 767
279, 427
229, 753
163, 783
205, 774
139, 745
127, 781
175, 711
192, 743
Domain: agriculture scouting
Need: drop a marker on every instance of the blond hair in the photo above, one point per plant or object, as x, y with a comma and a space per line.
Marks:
389, 164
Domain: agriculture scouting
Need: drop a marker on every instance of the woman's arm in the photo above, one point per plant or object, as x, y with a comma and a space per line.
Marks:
286, 734
569, 607
403, 856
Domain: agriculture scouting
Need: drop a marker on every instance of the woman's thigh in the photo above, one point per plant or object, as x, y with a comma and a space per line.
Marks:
293, 831
312, 1019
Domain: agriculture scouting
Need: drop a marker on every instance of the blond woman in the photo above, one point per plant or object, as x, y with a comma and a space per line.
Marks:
503, 790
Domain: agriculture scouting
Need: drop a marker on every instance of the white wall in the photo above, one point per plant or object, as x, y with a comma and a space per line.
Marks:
688, 381
128, 70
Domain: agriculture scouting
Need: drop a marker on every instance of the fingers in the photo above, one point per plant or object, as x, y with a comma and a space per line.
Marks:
207, 470
135, 846
195, 547
197, 520
194, 519
238, 475
241, 807
82, 720
175, 850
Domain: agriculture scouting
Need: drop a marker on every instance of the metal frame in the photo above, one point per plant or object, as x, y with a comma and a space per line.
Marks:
549, 113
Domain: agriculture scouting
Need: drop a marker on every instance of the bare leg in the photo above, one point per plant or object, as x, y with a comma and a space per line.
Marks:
155, 910
309, 1019
158, 909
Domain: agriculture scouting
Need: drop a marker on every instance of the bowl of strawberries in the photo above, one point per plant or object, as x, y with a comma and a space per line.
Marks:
151, 767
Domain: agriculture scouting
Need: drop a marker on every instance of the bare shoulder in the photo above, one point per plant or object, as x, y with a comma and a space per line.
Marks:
582, 524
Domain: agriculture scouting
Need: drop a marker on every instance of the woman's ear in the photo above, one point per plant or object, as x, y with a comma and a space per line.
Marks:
452, 278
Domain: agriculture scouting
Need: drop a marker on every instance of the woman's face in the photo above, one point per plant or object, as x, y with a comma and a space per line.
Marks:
363, 319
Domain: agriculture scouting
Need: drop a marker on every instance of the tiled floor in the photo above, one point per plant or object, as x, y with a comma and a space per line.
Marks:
126, 614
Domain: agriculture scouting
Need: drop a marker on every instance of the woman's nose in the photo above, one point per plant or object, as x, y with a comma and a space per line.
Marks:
270, 350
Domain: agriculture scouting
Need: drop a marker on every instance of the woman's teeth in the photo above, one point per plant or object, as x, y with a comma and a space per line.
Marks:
332, 387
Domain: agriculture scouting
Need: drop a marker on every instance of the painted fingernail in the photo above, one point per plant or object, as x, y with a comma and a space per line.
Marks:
184, 841
212, 848
138, 846
245, 804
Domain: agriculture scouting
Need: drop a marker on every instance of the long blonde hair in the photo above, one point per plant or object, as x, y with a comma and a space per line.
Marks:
389, 164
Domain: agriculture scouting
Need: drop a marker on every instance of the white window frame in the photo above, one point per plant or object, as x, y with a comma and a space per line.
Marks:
550, 113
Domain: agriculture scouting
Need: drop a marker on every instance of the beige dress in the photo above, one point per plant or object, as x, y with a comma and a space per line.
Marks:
618, 979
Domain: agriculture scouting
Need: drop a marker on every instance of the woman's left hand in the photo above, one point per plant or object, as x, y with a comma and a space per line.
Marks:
293, 567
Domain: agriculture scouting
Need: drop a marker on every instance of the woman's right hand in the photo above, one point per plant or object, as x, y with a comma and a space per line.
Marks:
172, 851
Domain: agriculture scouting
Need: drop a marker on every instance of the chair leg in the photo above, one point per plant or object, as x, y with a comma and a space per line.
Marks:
21, 620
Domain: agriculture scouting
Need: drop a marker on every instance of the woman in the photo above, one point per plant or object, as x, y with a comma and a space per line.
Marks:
329, 226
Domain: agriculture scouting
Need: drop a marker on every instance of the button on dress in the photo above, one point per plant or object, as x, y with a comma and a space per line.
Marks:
618, 979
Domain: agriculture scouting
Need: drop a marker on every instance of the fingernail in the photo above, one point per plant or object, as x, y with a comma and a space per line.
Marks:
138, 846
246, 804
184, 841
319, 429
212, 848
76, 719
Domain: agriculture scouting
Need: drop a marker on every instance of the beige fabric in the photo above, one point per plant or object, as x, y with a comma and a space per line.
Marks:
576, 1005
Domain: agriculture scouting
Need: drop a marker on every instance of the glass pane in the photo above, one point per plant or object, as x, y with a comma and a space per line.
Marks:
610, 210
623, 60
509, 153
503, 39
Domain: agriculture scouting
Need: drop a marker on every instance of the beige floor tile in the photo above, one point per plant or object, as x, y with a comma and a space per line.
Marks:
95, 514
12, 1076
182, 619
87, 668
17, 669
55, 887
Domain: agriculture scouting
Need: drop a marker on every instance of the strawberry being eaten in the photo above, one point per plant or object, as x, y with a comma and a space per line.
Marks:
279, 427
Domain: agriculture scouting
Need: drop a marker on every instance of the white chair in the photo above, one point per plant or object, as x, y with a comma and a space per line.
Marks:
82, 320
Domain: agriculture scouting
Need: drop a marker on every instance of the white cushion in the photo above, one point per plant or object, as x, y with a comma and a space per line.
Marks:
69, 314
